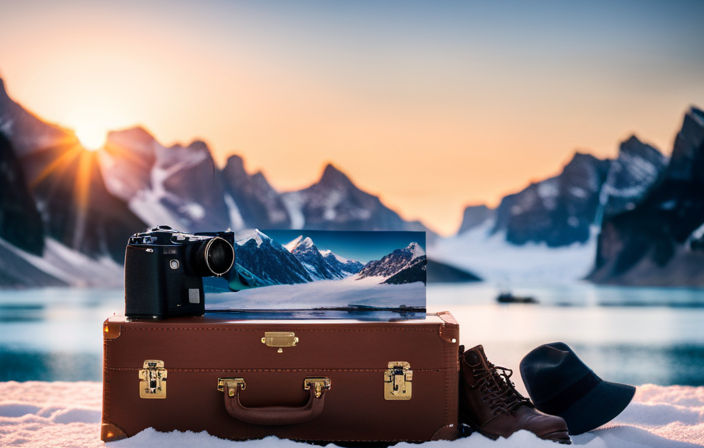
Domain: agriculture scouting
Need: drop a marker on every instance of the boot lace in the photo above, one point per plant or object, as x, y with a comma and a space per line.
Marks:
499, 392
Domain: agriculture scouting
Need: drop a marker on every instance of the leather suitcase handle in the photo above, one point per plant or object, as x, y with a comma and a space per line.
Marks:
274, 415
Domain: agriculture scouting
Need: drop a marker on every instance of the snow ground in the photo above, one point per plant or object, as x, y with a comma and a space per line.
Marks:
61, 414
322, 293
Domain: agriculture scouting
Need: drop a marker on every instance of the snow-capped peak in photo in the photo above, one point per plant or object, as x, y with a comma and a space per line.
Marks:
416, 250
293, 243
300, 243
327, 253
241, 238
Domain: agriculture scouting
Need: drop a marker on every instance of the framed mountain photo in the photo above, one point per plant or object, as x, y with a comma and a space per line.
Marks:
324, 274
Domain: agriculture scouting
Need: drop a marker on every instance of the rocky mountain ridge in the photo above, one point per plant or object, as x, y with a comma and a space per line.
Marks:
657, 240
564, 209
645, 208
405, 265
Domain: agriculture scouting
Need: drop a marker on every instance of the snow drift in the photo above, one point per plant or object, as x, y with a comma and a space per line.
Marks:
38, 414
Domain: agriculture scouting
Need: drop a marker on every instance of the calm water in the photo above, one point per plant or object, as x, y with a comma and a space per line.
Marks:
634, 336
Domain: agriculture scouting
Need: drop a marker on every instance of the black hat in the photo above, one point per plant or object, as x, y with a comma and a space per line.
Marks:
559, 383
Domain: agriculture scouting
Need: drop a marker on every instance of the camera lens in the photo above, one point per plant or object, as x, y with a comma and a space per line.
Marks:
214, 257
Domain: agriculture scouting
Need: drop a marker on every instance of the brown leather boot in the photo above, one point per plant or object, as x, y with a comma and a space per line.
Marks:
490, 404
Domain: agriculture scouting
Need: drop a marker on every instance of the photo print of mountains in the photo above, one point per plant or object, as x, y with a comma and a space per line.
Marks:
347, 271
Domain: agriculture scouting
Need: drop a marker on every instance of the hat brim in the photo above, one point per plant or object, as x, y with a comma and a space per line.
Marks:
601, 405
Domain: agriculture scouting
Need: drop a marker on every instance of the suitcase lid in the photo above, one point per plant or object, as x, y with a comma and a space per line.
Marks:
216, 342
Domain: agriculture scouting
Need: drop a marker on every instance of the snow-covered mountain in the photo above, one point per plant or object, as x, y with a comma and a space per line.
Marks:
259, 205
641, 225
268, 260
410, 260
546, 233
335, 203
127, 161
657, 241
558, 211
631, 176
322, 264
179, 185
182, 186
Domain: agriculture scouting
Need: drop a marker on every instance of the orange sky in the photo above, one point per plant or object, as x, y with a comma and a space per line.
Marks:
430, 108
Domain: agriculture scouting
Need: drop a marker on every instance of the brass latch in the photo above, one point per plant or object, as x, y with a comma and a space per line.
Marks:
318, 384
153, 376
280, 339
398, 381
232, 384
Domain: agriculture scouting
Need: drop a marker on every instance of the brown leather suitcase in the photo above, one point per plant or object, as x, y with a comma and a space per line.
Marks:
348, 381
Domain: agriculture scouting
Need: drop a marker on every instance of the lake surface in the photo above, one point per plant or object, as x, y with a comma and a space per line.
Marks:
630, 335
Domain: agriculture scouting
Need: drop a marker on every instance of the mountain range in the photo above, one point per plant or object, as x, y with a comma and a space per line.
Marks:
63, 209
89, 203
644, 210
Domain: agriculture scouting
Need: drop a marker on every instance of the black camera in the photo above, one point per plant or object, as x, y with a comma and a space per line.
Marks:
164, 270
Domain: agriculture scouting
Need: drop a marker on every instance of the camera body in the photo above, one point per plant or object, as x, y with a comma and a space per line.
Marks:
164, 270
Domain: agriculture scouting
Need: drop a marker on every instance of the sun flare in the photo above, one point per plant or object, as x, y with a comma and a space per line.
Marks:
92, 139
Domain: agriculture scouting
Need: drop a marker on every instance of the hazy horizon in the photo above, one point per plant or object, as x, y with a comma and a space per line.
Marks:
432, 106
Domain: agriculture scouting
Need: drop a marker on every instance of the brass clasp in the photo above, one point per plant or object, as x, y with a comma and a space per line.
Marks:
318, 383
153, 376
232, 385
280, 339
398, 381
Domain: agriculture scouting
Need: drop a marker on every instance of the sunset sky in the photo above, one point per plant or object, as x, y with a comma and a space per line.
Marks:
431, 105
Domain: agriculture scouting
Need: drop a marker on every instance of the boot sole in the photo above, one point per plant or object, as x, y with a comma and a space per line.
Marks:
561, 437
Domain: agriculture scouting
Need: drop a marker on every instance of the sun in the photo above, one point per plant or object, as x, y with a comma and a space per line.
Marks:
91, 138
